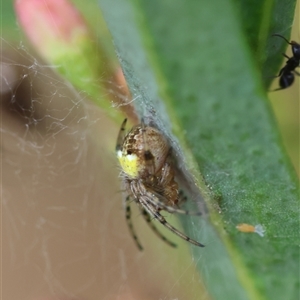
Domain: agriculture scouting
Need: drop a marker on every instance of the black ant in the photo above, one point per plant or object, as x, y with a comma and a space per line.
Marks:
286, 74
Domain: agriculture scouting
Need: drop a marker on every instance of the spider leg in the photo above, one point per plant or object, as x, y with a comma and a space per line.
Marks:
147, 218
153, 199
152, 211
182, 198
129, 223
121, 136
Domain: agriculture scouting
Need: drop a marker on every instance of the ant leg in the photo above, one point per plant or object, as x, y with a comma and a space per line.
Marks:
297, 73
285, 55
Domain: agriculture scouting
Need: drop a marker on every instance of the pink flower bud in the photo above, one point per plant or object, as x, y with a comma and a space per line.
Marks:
50, 24
60, 34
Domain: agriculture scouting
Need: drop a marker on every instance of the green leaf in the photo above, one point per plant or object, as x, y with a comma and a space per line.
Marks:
191, 70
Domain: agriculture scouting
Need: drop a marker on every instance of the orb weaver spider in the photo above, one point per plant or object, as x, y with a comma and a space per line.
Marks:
149, 178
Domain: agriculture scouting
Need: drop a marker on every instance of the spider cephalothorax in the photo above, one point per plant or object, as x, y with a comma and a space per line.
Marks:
148, 177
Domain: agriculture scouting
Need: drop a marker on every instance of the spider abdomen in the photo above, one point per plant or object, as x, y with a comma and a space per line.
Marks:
144, 151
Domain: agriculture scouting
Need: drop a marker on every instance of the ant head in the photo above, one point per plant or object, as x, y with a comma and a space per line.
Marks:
295, 46
295, 49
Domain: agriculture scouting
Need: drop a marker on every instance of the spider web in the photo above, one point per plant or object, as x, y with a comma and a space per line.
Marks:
63, 229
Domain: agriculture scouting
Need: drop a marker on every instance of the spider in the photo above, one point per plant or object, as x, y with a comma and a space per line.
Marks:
149, 179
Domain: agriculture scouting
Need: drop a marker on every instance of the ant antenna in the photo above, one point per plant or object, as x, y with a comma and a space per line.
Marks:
276, 34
